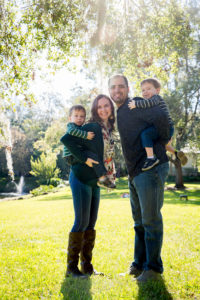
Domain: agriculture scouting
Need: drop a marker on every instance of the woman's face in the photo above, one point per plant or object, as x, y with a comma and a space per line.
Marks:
104, 110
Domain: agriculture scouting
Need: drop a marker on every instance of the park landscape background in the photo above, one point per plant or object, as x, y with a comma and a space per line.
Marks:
56, 53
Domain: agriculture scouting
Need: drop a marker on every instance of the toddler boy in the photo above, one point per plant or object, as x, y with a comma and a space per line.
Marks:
150, 92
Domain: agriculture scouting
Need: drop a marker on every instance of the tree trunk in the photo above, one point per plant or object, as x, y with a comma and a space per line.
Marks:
179, 175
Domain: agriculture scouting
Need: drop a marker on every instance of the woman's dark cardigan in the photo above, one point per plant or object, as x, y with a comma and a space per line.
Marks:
77, 146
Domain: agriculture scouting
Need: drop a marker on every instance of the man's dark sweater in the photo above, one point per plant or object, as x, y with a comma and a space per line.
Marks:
130, 125
77, 148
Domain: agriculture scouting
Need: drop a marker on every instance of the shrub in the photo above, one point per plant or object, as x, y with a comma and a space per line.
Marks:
43, 189
44, 168
55, 181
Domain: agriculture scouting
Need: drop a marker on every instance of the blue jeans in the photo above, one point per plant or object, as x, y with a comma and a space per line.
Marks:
150, 135
146, 197
86, 204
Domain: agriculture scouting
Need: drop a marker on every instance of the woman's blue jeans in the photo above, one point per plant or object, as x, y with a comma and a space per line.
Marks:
86, 204
146, 197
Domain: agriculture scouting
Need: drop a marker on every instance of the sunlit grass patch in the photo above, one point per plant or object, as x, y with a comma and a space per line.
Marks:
33, 243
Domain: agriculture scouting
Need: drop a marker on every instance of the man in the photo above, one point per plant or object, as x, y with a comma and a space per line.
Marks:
146, 188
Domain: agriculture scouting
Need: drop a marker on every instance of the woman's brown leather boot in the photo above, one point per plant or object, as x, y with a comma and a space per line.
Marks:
74, 248
86, 253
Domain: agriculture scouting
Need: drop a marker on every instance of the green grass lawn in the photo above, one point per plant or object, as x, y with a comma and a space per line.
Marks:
33, 243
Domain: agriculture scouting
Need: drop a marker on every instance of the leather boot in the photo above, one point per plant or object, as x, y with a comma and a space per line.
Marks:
86, 253
74, 248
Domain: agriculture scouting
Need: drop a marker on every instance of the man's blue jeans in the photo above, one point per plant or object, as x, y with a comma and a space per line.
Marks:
86, 204
146, 197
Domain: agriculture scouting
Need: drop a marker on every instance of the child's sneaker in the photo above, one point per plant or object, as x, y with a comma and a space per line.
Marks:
150, 163
105, 182
182, 157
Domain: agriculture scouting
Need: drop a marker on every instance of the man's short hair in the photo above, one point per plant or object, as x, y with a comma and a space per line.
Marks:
76, 107
118, 75
152, 81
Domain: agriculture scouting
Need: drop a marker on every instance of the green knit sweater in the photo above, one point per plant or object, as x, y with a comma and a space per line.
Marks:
77, 146
74, 130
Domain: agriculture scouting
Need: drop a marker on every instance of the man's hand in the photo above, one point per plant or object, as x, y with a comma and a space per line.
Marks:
90, 135
131, 104
91, 161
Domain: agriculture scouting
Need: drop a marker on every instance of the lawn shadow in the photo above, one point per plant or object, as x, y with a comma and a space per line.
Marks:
173, 197
76, 288
55, 198
153, 290
189, 202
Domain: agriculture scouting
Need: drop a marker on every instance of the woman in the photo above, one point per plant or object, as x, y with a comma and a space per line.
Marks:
83, 183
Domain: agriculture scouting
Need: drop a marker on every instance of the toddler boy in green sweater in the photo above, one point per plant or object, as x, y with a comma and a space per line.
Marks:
77, 115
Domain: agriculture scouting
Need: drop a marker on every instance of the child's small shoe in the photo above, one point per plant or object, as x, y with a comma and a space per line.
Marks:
182, 157
150, 163
105, 182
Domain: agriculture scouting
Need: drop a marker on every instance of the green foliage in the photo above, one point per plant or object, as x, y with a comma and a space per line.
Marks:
29, 28
51, 139
55, 181
42, 190
44, 168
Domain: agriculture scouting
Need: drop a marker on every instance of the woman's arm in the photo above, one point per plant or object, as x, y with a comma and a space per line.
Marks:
73, 145
76, 146
74, 130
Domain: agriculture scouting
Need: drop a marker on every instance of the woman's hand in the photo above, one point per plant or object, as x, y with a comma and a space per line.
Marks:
131, 104
90, 135
89, 162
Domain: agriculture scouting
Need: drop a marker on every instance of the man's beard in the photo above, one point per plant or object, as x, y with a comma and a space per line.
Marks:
118, 100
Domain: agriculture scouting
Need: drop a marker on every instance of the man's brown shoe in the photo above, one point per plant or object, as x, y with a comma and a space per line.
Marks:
132, 271
148, 275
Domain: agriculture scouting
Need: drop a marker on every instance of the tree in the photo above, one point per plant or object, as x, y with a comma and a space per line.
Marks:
29, 27
159, 42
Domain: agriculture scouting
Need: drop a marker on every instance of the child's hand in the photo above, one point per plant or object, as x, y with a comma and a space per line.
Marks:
131, 104
90, 135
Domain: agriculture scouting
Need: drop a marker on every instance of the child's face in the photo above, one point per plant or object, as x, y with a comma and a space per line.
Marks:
77, 117
148, 90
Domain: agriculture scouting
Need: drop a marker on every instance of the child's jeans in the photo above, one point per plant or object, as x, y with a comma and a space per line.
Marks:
150, 135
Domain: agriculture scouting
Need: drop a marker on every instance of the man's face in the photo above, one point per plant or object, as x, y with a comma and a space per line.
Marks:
118, 90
